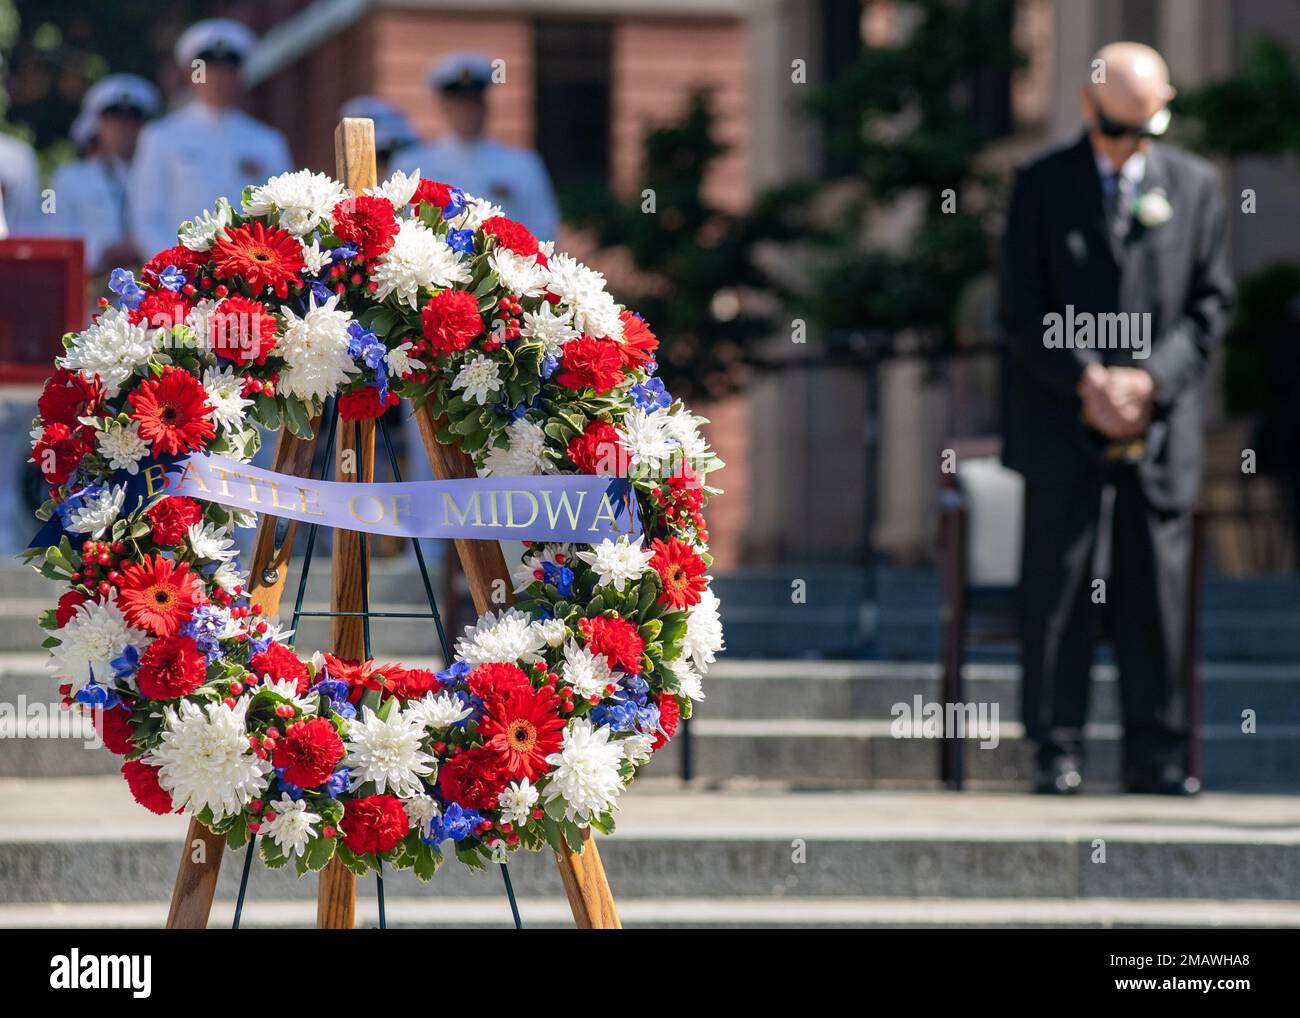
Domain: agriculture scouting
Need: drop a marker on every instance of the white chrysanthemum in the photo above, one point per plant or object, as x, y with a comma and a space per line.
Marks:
315, 259
440, 710
315, 350
689, 681
599, 315
647, 443
224, 389
480, 379
618, 562
201, 233
572, 281
586, 671
399, 188
703, 639
90, 640
98, 512
525, 572
553, 631
508, 637
387, 752
637, 748
523, 455
477, 211
400, 362
303, 199
293, 826
550, 327
122, 446
520, 274
307, 703
684, 429
228, 577
209, 541
204, 759
517, 800
419, 258
112, 348
585, 772
421, 812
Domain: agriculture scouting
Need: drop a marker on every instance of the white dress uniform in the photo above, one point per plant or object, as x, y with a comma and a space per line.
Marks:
20, 189
188, 159
90, 202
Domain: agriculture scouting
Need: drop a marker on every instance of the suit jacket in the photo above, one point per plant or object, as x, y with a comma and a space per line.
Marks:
1059, 250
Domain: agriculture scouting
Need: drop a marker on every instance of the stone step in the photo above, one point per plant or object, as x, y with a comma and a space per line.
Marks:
438, 911
83, 841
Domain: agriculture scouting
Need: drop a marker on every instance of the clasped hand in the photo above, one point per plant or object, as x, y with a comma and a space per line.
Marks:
1117, 401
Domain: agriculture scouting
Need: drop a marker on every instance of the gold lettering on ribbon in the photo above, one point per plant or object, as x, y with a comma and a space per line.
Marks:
155, 478
553, 511
510, 509
449, 507
352, 508
401, 507
606, 511
191, 471
309, 499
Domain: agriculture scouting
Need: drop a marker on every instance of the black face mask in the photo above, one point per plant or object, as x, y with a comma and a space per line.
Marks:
1150, 128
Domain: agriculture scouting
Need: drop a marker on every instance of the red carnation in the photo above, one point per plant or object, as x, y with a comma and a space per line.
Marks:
68, 605
369, 222
173, 411
309, 752
638, 343
510, 235
189, 262
588, 363
681, 570
450, 321
279, 662
143, 781
114, 727
161, 309
58, 452
171, 517
669, 714
158, 596
617, 639
598, 450
410, 683
436, 194
241, 330
524, 727
67, 396
474, 778
375, 823
497, 679
364, 405
260, 257
172, 667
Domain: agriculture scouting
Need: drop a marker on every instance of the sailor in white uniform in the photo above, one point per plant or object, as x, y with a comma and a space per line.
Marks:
90, 193
392, 130
208, 148
514, 178
20, 189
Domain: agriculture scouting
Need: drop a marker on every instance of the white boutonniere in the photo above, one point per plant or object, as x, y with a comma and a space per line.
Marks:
1152, 208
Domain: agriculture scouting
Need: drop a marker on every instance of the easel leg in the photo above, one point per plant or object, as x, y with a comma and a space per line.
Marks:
196, 879
336, 897
587, 888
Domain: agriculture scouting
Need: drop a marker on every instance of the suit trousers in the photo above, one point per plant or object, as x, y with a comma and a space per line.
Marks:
1102, 528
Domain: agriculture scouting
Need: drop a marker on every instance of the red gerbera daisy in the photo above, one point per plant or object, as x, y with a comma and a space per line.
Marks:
171, 517
157, 595
368, 221
173, 411
241, 330
260, 257
617, 639
359, 677
638, 343
681, 570
524, 727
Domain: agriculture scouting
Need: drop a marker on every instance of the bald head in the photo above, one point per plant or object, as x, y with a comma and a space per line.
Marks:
1130, 82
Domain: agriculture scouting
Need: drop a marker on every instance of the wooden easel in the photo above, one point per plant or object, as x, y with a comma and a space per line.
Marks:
485, 570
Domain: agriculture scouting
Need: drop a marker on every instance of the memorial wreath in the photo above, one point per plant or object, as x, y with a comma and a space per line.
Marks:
412, 290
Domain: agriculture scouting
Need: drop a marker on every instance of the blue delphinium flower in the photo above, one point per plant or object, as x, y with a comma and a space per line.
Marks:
619, 715
550, 365
461, 240
367, 347
320, 291
205, 627
456, 823
172, 278
651, 395
292, 791
560, 577
335, 691
126, 664
338, 781
344, 252
456, 202
450, 676
122, 282
92, 694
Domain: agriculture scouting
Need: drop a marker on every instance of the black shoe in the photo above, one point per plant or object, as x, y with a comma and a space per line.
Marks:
1059, 776
1170, 781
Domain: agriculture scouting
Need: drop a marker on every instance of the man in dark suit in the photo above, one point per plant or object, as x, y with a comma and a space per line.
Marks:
1114, 294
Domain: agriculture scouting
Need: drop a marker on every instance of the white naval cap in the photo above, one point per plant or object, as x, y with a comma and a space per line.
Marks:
392, 129
121, 90
460, 72
83, 128
219, 35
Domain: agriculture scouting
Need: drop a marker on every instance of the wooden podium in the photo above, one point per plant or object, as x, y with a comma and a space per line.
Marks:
485, 569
